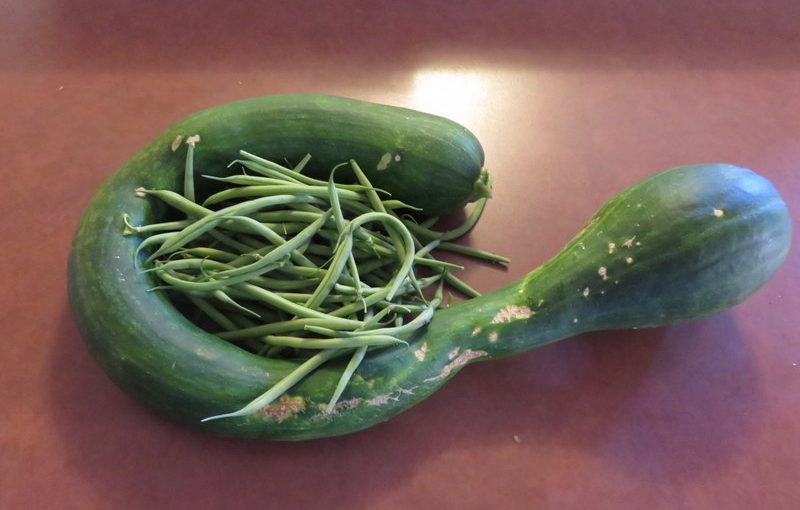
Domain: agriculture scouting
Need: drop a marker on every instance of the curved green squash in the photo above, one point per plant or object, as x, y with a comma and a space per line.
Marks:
682, 244
426, 161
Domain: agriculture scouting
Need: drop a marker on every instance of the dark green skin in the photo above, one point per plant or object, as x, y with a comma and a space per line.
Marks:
690, 263
440, 163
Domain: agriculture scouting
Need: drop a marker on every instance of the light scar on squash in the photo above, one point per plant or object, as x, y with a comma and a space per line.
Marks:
378, 400
386, 159
511, 313
176, 143
464, 358
383, 164
284, 408
506, 314
421, 352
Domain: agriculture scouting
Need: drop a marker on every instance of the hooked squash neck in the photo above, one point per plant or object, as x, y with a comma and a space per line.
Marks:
523, 315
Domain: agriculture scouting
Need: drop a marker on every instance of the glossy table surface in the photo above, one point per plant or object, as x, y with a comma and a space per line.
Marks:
573, 101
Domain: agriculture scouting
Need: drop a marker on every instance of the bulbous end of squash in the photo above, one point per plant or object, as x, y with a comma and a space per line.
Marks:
680, 245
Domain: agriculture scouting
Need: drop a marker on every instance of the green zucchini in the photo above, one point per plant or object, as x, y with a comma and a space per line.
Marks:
683, 244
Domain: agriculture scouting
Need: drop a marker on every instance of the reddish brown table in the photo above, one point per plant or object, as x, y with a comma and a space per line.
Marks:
573, 102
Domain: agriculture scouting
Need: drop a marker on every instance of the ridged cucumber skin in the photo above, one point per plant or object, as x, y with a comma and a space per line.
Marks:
700, 238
